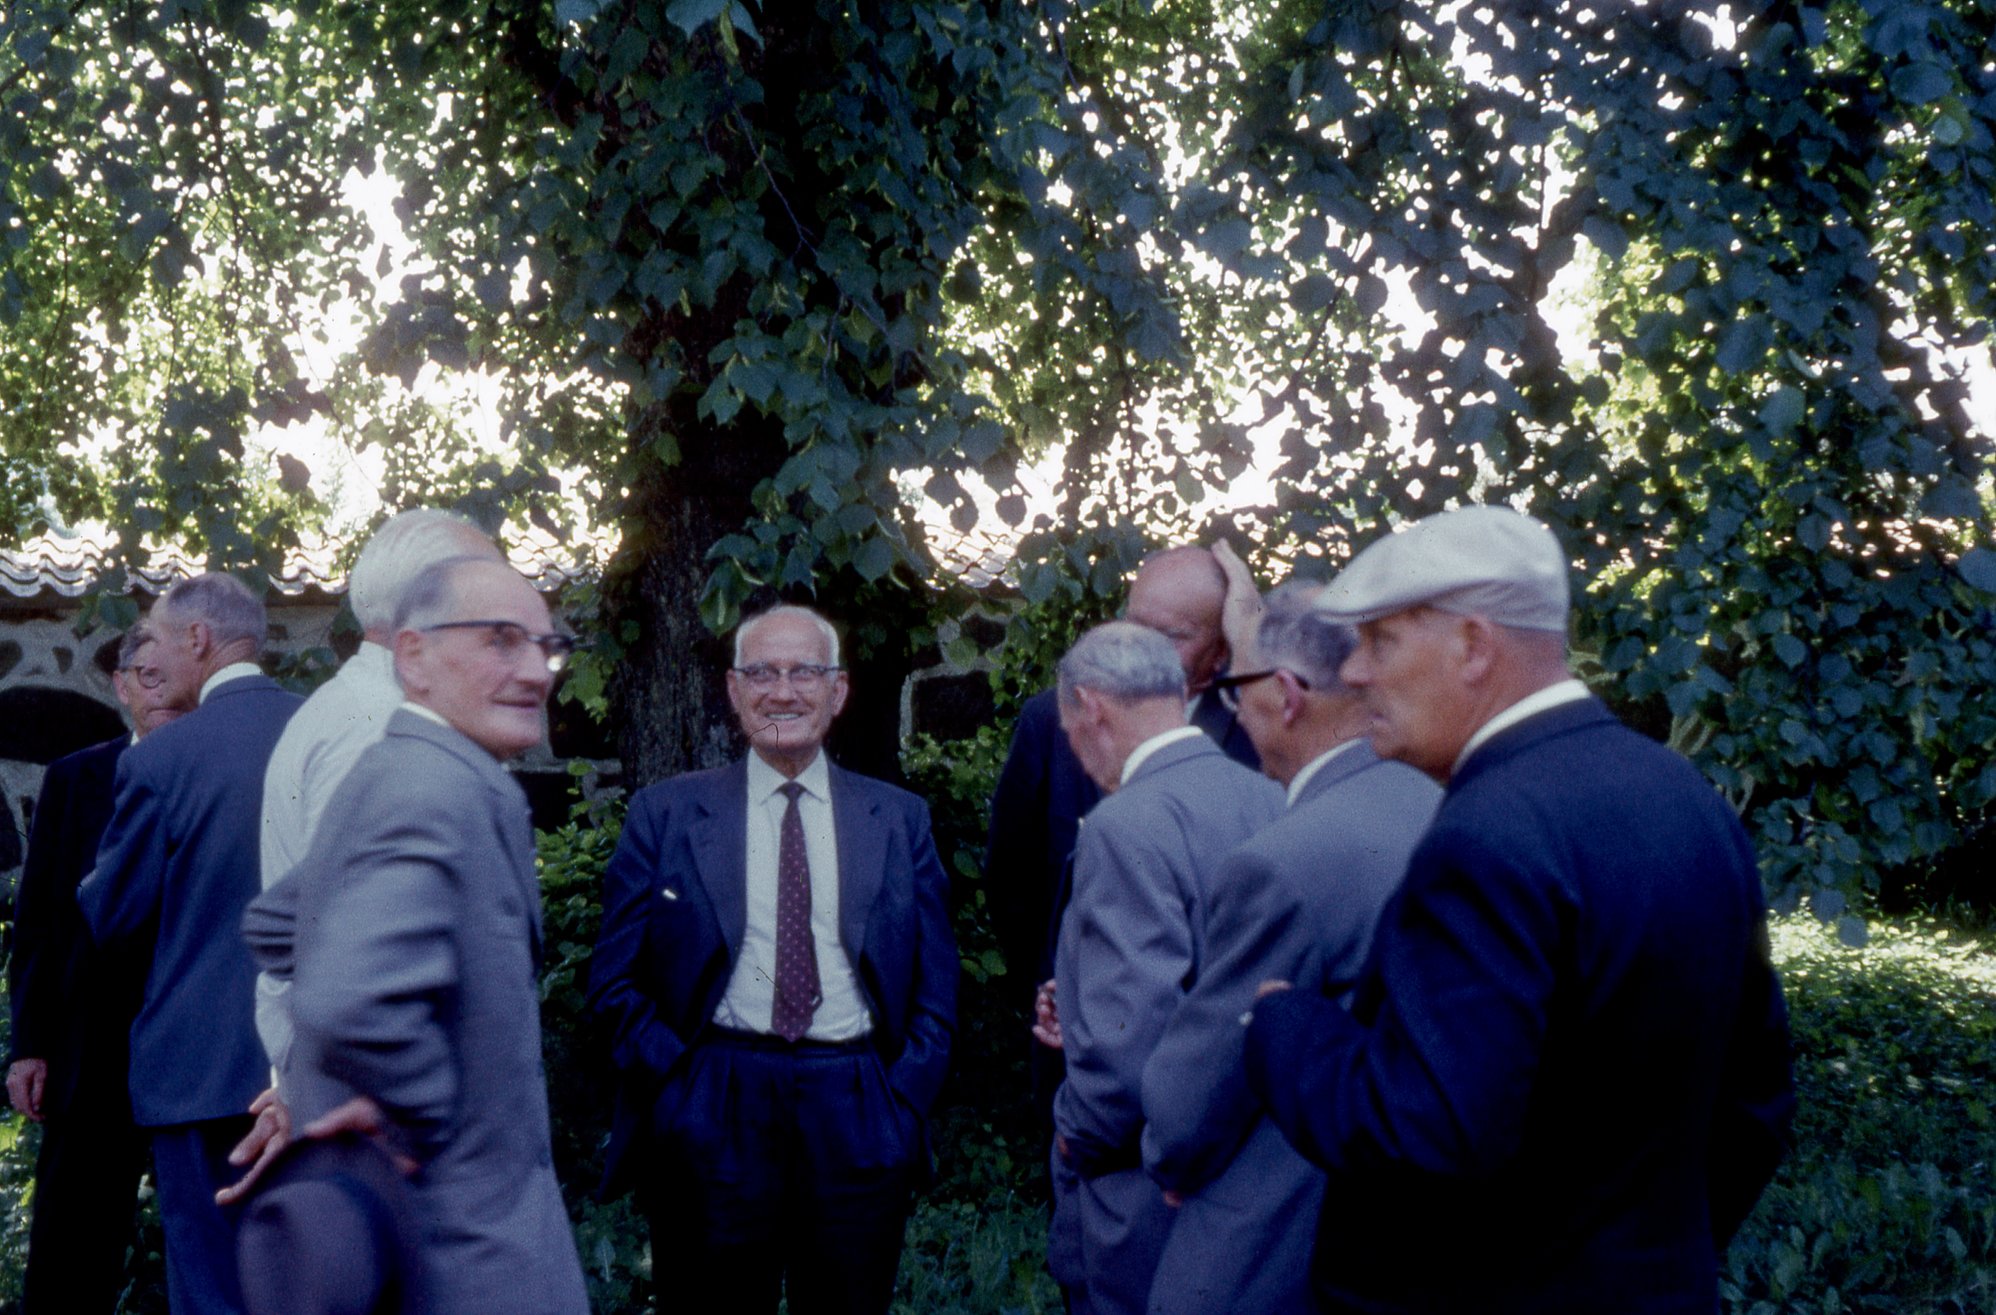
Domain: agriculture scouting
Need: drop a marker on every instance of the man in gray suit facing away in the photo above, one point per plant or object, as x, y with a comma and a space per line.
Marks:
1298, 902
414, 998
1130, 941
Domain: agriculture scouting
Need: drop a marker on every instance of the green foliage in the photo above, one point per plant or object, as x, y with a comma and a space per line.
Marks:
1889, 1199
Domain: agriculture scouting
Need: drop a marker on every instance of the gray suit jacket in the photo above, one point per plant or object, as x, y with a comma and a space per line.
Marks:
1131, 943
415, 983
1297, 902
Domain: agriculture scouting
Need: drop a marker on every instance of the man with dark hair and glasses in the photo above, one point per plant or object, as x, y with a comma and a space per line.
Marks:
777, 976
72, 1013
1297, 901
415, 963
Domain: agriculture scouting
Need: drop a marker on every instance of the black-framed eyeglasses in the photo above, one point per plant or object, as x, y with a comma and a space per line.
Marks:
805, 678
509, 636
1250, 677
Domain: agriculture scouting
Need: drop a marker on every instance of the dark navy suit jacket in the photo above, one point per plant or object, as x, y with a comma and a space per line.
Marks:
1564, 1078
71, 1006
176, 869
675, 909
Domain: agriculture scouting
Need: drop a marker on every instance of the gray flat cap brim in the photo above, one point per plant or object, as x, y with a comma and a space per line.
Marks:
1479, 561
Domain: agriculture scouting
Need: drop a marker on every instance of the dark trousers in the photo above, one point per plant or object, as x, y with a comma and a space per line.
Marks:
779, 1166
189, 1163
86, 1197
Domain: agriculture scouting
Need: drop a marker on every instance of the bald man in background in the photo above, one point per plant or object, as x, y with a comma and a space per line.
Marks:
1042, 794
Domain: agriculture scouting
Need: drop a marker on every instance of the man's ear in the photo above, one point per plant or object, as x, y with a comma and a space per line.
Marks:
1480, 643
1295, 699
200, 639
408, 660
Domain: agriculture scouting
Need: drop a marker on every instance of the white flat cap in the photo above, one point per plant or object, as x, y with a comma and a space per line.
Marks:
1486, 561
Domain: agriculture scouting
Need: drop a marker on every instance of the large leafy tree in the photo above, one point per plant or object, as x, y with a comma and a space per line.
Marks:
764, 270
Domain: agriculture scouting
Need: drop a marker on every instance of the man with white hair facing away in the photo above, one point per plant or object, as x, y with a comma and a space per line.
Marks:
1566, 1064
1130, 943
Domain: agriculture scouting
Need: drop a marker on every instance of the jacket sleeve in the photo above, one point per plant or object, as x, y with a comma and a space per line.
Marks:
1438, 1076
1196, 1104
1756, 1098
1126, 954
377, 970
46, 920
641, 1044
121, 897
1016, 871
917, 1074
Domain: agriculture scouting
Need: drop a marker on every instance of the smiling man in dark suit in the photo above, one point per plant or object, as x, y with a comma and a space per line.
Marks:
72, 1011
176, 868
1567, 1056
778, 978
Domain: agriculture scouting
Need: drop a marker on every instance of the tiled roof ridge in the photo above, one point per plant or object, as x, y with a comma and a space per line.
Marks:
67, 565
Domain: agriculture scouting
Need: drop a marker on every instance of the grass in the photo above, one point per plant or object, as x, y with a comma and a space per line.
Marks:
1888, 1203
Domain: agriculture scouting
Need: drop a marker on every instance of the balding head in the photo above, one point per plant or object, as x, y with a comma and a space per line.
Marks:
1181, 593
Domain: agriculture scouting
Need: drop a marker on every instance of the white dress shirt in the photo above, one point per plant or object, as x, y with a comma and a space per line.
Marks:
1315, 765
749, 1004
1545, 700
342, 719
234, 671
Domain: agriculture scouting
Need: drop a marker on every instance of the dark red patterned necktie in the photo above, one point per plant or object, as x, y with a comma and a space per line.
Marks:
796, 951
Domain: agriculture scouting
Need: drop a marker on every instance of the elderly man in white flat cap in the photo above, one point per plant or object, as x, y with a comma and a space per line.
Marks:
1564, 1076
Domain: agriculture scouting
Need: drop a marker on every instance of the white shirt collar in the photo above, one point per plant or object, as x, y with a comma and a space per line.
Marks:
1314, 766
234, 671
1569, 690
427, 714
763, 780
1152, 745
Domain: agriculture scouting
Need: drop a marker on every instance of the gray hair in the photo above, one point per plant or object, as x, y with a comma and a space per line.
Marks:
128, 647
398, 552
1124, 661
428, 597
227, 605
825, 628
1295, 636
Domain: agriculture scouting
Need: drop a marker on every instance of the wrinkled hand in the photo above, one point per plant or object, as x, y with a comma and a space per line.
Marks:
1046, 1016
27, 1079
267, 1138
1173, 1199
1240, 615
363, 1116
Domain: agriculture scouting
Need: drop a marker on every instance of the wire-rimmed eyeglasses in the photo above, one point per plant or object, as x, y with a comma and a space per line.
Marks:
805, 678
509, 636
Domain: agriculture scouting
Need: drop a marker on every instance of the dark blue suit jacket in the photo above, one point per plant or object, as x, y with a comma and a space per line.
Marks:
71, 1006
177, 867
1566, 1064
674, 911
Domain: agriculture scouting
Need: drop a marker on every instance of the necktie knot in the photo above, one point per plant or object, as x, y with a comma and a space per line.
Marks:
790, 790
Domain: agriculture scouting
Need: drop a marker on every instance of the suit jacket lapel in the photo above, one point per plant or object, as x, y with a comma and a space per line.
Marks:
862, 846
719, 839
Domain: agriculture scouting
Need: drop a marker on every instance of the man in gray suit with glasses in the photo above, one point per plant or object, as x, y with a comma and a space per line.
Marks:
1298, 901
